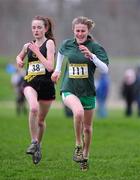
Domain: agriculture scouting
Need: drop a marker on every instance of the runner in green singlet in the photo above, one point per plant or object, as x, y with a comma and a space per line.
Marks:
83, 57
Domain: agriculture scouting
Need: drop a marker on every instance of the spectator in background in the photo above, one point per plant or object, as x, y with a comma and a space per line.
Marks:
17, 79
128, 90
137, 89
102, 90
10, 68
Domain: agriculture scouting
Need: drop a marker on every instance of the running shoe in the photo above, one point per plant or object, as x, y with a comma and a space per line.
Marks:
84, 166
37, 156
32, 148
78, 154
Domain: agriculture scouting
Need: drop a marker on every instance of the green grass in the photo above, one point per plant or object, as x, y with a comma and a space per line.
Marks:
114, 151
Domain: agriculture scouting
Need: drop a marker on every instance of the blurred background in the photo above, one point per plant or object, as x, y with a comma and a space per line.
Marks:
117, 30
116, 144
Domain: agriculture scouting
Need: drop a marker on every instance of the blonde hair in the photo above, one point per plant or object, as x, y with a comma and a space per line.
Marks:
83, 20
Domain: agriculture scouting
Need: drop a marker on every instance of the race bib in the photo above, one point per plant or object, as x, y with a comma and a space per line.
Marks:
78, 71
36, 68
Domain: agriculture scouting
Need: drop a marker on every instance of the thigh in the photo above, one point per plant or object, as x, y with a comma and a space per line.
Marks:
31, 96
72, 102
88, 102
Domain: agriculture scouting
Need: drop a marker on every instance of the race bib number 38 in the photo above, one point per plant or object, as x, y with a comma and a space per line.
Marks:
36, 68
78, 71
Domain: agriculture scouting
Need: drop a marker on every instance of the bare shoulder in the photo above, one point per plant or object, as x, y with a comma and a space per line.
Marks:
25, 47
50, 42
50, 46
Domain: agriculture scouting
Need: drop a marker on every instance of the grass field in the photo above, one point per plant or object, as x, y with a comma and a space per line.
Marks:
114, 152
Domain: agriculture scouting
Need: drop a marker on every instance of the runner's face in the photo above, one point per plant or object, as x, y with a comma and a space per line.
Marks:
80, 32
38, 29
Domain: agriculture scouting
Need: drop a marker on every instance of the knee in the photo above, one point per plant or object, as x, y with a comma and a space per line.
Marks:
79, 114
41, 124
88, 129
41, 119
34, 110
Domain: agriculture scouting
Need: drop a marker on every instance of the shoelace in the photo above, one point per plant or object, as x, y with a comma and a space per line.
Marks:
78, 151
84, 164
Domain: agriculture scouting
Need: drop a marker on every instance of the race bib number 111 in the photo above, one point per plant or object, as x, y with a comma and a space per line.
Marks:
78, 71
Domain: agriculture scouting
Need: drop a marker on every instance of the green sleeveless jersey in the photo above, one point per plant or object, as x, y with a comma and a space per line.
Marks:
79, 72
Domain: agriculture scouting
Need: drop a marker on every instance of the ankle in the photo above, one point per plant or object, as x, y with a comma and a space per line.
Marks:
34, 141
78, 145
